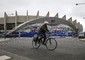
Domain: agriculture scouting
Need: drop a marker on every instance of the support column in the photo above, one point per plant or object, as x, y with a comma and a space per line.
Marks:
16, 18
64, 17
5, 20
70, 19
27, 16
48, 14
57, 15
37, 16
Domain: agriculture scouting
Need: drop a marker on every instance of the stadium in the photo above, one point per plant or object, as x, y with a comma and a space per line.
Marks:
29, 24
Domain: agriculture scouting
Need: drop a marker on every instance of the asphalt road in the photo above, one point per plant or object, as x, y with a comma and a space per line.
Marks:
67, 49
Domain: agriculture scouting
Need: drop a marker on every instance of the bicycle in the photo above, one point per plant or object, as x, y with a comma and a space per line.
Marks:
50, 43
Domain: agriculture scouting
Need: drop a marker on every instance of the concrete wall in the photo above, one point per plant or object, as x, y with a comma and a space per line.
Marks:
10, 19
1, 20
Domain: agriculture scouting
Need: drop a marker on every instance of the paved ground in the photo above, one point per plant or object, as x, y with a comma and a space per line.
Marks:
21, 49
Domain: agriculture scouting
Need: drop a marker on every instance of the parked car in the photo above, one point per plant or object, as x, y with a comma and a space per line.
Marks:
81, 35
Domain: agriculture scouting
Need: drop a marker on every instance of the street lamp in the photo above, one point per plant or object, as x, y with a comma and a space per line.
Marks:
79, 3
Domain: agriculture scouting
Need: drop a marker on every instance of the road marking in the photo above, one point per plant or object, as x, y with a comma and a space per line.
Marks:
82, 39
2, 39
4, 57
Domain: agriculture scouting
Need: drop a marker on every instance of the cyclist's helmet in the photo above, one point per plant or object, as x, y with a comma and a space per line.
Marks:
46, 22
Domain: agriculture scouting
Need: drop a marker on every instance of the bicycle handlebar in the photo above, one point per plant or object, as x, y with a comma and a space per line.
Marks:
49, 34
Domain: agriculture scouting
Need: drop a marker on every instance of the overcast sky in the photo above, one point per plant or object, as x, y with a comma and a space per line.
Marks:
63, 7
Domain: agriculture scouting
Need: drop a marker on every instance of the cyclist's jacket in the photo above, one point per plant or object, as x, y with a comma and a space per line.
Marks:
43, 29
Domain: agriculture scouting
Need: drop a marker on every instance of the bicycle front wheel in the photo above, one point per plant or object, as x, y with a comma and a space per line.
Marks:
51, 44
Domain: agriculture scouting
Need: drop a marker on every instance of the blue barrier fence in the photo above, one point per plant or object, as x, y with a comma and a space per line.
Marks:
31, 34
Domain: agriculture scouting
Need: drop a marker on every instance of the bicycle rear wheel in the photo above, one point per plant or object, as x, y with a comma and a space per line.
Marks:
35, 44
51, 44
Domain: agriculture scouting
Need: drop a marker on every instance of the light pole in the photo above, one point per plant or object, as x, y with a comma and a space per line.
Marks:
83, 17
80, 4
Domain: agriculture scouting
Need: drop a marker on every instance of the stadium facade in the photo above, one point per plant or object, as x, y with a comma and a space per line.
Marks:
7, 23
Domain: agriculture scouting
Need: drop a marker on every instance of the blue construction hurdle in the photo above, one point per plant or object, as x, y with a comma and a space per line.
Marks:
31, 34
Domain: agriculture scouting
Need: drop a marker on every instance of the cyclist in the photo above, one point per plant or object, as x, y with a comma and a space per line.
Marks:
42, 32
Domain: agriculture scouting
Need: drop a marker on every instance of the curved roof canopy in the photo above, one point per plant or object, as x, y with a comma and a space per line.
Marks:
51, 20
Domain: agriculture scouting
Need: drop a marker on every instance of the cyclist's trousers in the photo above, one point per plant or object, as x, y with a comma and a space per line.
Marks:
42, 35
